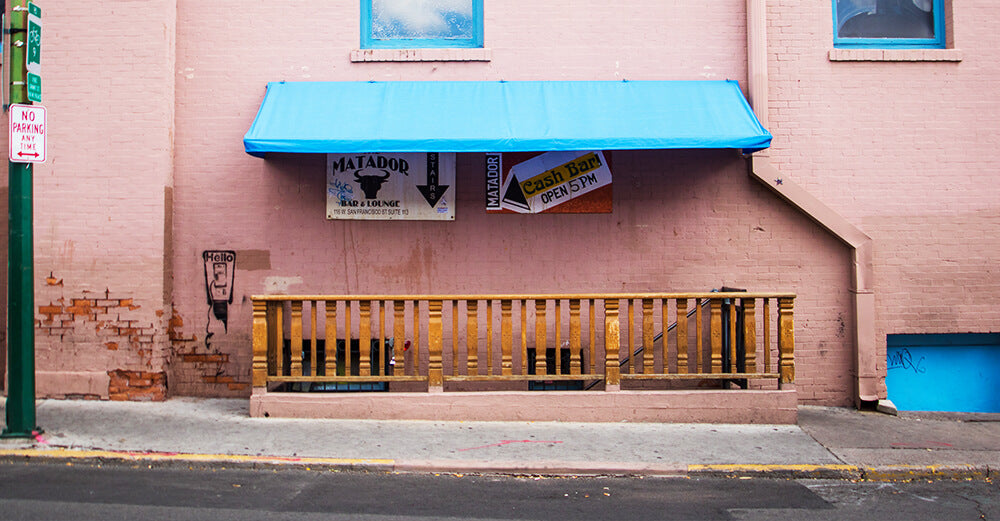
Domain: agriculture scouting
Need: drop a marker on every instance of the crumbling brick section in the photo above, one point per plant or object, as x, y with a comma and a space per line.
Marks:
111, 320
139, 386
197, 368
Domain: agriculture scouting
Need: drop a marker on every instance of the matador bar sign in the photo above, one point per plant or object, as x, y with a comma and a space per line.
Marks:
392, 186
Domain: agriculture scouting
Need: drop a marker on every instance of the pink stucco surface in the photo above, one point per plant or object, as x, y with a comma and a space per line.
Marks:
148, 104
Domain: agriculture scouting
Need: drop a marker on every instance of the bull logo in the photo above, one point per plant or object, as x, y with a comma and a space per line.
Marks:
371, 184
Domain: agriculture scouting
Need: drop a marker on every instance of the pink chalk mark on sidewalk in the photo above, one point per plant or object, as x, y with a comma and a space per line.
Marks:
507, 442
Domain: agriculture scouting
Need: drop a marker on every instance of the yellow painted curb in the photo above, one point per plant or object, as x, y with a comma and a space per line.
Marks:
791, 471
909, 472
160, 457
769, 468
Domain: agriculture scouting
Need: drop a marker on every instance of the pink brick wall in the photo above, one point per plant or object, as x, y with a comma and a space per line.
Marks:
147, 116
905, 151
100, 197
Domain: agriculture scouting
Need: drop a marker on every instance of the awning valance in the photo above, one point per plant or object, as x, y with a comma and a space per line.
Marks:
502, 116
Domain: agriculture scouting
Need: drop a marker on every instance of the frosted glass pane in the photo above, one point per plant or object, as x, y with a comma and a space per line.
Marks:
448, 19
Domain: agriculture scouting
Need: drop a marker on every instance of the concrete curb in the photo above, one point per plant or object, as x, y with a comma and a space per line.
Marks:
514, 468
171, 459
851, 472
541, 468
776, 471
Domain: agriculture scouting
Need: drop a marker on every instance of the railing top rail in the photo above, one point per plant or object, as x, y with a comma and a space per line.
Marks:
533, 296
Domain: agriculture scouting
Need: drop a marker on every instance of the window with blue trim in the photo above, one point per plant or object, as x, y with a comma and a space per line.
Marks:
889, 24
415, 24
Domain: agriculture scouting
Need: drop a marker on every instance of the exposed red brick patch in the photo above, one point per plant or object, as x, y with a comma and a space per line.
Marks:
112, 346
137, 386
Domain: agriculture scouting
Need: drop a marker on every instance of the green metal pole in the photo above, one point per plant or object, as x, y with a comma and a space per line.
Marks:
20, 262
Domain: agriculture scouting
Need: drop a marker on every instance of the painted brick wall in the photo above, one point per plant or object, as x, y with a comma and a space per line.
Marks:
100, 198
147, 111
904, 150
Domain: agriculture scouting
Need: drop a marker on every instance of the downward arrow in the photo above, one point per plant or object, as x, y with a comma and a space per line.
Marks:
432, 191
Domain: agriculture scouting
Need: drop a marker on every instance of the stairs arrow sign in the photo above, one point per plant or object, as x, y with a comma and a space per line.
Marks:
432, 191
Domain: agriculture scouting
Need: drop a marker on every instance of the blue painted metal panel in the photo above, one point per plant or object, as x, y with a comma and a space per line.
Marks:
497, 116
957, 372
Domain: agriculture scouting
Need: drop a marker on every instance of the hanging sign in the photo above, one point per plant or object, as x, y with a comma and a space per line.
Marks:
549, 182
404, 186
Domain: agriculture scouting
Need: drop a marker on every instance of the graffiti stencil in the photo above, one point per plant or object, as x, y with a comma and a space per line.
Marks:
220, 268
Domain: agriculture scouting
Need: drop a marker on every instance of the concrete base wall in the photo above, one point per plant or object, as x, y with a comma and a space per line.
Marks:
702, 406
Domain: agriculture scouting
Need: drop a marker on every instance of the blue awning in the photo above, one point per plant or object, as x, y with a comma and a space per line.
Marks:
502, 116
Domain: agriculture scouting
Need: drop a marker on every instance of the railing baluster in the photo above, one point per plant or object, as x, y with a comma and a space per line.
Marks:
349, 367
330, 307
574, 336
733, 366
767, 335
715, 323
629, 345
260, 343
489, 336
786, 342
612, 345
591, 310
365, 337
648, 360
524, 337
506, 339
313, 351
557, 324
279, 337
540, 337
472, 336
296, 329
435, 370
665, 327
750, 334
682, 334
699, 334
381, 308
454, 337
398, 337
274, 345
415, 347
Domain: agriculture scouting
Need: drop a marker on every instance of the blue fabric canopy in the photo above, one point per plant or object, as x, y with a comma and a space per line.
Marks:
502, 116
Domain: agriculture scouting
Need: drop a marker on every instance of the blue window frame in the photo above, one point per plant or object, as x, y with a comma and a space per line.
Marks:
414, 24
888, 24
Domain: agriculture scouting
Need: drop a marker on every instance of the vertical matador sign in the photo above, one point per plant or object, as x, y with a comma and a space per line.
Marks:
391, 186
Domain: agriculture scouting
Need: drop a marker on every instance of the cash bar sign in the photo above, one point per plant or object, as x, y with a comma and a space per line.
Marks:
391, 186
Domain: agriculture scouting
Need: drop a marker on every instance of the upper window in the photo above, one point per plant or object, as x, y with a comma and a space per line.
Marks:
414, 24
888, 23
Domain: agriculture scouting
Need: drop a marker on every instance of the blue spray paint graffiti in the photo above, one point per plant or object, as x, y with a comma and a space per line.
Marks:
903, 359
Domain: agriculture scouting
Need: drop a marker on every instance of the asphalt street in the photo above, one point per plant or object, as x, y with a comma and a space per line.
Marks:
33, 490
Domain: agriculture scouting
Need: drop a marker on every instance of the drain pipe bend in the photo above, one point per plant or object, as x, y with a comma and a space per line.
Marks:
761, 169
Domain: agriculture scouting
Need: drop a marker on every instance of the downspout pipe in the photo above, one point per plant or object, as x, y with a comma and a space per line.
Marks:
761, 169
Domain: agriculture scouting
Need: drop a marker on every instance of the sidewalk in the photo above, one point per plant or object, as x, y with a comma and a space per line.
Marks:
828, 442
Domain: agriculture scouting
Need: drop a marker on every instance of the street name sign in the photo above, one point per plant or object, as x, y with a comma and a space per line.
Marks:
27, 133
33, 55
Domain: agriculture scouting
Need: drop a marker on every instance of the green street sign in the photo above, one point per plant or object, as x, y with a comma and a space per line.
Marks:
33, 54
34, 83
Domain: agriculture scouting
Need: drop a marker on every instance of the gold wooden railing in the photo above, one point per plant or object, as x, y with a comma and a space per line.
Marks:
554, 337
